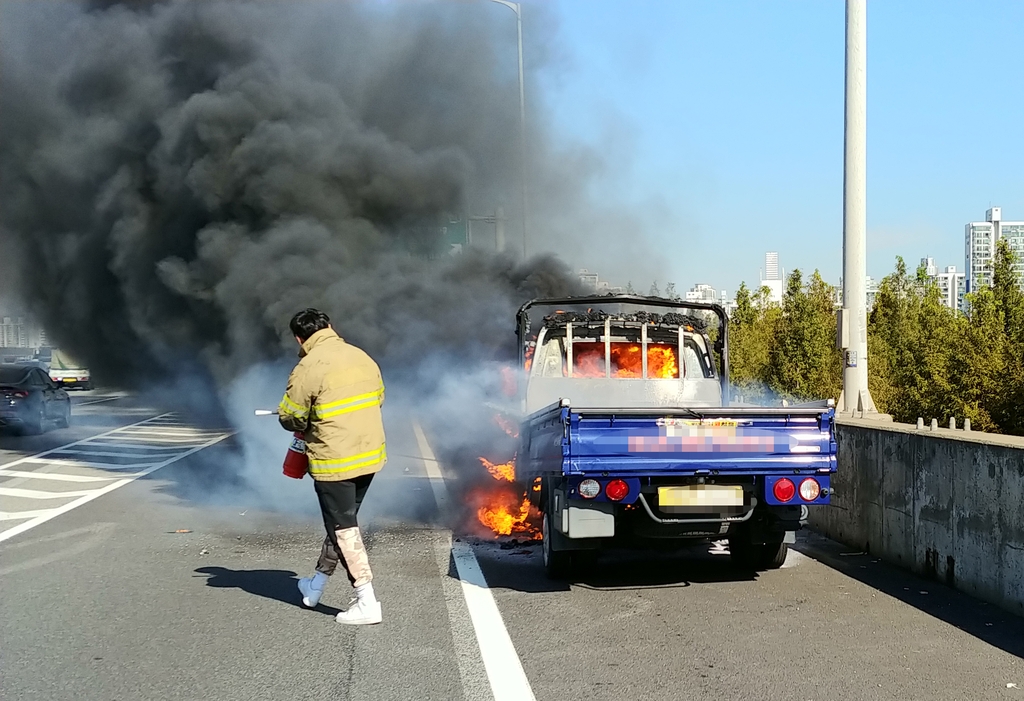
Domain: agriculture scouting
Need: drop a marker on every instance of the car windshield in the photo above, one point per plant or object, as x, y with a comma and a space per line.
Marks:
13, 375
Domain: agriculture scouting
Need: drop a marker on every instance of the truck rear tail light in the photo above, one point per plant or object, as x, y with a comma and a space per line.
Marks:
20, 394
616, 490
809, 489
784, 490
589, 489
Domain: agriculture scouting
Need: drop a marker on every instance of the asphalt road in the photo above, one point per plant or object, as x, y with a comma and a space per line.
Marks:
108, 600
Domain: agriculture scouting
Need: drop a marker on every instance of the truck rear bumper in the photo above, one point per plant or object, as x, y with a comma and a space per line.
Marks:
586, 524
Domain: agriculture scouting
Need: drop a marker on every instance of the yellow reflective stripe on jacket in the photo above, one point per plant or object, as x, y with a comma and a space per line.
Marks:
354, 462
349, 404
287, 406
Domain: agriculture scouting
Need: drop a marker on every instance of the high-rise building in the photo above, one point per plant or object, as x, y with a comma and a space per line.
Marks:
870, 291
13, 332
980, 240
951, 287
702, 293
771, 277
588, 279
725, 301
592, 283
930, 269
19, 330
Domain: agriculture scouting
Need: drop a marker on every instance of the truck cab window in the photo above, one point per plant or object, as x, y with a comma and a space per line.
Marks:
551, 361
696, 362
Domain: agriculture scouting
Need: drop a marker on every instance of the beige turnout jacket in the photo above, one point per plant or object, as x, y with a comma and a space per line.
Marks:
334, 396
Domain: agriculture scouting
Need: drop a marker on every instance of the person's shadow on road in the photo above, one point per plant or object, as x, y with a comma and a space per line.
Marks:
279, 585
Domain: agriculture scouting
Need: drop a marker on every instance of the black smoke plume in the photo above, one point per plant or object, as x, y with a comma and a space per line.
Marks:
179, 178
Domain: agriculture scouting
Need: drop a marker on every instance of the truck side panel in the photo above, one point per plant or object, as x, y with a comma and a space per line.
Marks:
748, 444
544, 443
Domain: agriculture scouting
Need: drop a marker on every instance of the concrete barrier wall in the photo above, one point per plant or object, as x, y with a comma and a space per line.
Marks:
945, 504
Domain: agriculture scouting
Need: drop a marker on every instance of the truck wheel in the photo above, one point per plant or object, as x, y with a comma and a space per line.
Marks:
557, 563
757, 556
770, 556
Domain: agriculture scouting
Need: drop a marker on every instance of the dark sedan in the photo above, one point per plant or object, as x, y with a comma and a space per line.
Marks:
30, 400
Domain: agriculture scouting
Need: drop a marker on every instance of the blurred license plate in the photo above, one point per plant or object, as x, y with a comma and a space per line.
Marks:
701, 495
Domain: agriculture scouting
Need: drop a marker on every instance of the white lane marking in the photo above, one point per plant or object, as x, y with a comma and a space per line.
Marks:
475, 684
59, 449
176, 432
183, 441
98, 401
504, 668
52, 476
136, 447
22, 527
40, 493
63, 462
106, 454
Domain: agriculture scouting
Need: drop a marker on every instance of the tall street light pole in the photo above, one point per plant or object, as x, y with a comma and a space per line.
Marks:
853, 321
515, 7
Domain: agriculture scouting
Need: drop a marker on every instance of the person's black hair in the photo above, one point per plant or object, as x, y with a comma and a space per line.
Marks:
308, 322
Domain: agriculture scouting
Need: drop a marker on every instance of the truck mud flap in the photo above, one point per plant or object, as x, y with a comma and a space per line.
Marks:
578, 520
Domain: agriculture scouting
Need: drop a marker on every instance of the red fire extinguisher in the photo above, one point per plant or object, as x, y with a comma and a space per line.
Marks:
296, 463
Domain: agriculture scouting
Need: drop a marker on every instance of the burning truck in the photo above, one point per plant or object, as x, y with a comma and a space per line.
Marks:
628, 436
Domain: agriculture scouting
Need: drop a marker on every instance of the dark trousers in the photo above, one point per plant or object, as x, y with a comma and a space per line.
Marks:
339, 505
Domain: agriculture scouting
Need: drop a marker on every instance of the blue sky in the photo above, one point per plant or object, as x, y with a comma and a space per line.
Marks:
728, 118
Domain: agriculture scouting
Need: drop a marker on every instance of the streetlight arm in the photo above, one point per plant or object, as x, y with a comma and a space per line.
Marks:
514, 6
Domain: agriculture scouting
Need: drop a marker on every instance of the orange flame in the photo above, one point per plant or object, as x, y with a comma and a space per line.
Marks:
508, 382
505, 509
507, 425
501, 471
505, 512
627, 360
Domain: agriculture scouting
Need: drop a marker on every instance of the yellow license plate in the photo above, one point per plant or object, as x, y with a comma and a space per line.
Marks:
701, 495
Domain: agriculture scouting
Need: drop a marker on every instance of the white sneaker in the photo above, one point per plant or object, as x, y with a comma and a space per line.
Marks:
361, 613
312, 588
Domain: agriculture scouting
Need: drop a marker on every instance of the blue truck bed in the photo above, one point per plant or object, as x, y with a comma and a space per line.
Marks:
678, 474
653, 450
646, 443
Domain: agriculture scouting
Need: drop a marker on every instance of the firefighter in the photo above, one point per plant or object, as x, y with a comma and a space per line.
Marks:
334, 397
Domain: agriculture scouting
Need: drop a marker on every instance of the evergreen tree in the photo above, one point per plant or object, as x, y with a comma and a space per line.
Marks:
1008, 300
924, 359
753, 327
804, 362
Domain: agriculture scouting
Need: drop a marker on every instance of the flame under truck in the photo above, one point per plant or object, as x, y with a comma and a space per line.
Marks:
630, 437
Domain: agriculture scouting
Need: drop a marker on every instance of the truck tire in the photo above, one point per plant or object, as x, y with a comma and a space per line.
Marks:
757, 556
770, 556
557, 563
